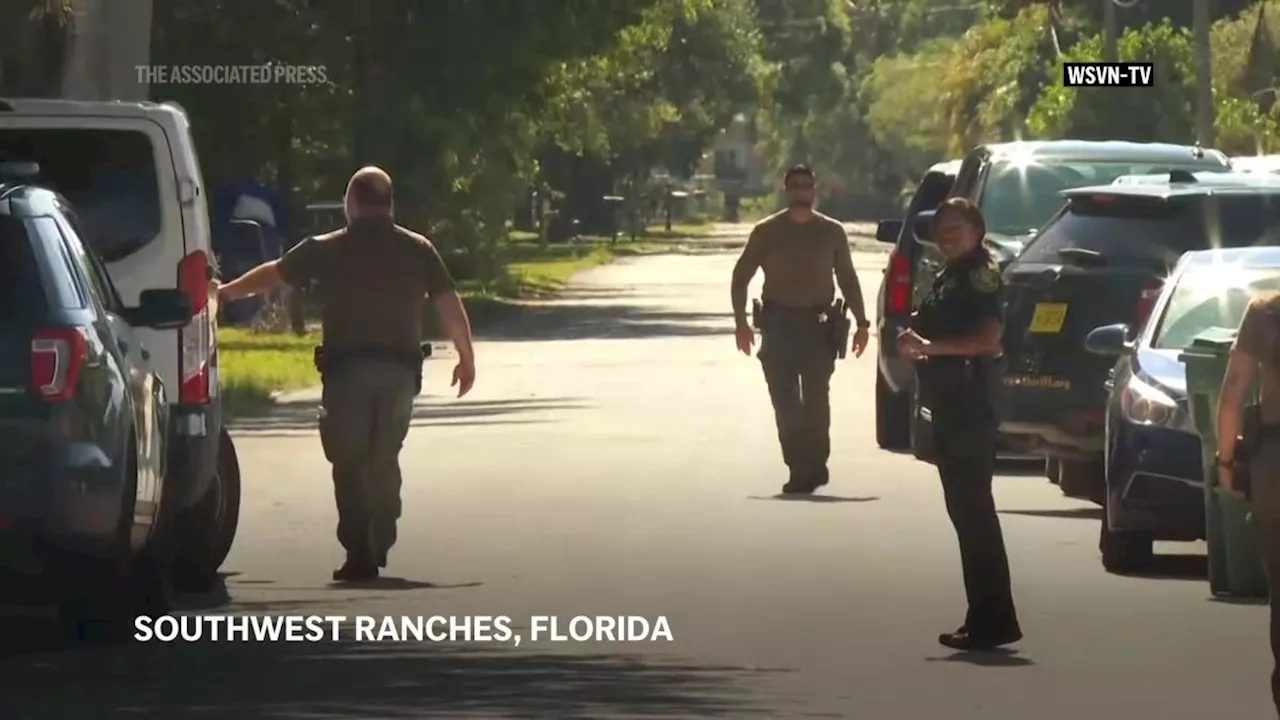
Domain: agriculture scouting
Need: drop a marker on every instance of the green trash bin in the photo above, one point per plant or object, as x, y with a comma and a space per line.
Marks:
1235, 563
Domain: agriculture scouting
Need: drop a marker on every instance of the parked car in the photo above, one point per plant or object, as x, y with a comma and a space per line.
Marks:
130, 171
900, 293
1018, 186
1103, 260
85, 508
1154, 476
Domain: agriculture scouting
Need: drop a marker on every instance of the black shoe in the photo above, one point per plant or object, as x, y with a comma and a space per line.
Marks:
965, 641
356, 571
821, 477
799, 484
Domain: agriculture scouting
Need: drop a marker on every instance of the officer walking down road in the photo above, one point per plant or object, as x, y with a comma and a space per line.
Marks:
372, 277
802, 330
955, 338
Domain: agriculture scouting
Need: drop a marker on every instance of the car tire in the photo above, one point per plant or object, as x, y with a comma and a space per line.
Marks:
207, 531
1052, 469
1125, 552
921, 430
893, 417
1083, 479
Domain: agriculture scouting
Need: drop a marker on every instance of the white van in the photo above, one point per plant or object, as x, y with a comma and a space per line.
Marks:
131, 173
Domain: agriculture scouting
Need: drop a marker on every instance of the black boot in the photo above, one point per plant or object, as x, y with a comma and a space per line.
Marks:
356, 569
801, 483
966, 641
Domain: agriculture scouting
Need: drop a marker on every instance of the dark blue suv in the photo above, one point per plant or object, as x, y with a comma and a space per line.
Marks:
83, 427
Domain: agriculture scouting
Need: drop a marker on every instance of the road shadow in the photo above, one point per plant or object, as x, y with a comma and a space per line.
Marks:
992, 658
1020, 467
816, 498
1084, 513
335, 680
1230, 600
290, 416
398, 583
593, 321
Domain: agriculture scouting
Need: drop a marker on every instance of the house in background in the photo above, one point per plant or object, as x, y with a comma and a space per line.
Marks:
737, 168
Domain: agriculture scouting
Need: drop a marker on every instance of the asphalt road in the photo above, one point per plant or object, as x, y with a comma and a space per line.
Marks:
617, 457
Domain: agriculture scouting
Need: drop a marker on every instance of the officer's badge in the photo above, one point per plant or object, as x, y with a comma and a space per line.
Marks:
985, 279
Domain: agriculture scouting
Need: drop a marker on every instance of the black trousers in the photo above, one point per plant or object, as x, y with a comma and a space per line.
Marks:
367, 408
965, 448
797, 366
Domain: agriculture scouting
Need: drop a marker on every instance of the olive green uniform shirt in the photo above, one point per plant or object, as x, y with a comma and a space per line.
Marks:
802, 263
373, 278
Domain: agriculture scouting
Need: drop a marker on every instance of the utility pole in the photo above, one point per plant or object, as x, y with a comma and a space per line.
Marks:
1204, 77
1110, 32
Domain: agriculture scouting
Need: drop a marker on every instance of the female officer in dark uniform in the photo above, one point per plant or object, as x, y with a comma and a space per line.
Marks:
955, 338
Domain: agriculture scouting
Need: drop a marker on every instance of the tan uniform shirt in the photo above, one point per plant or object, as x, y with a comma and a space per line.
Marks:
802, 262
1259, 332
373, 278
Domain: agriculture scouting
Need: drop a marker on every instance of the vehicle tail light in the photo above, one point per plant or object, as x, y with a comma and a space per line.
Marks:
57, 355
897, 288
1147, 300
195, 339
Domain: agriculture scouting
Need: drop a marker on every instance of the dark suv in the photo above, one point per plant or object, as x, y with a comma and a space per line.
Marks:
1102, 261
905, 279
83, 425
1018, 187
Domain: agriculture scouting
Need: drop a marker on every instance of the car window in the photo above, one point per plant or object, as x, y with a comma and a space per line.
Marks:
22, 297
95, 273
1210, 298
108, 175
63, 286
1149, 231
1020, 197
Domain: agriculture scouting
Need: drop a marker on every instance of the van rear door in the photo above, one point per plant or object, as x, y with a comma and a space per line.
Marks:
114, 165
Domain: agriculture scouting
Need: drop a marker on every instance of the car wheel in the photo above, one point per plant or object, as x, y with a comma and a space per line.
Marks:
921, 430
1125, 552
1082, 479
893, 417
1052, 467
208, 530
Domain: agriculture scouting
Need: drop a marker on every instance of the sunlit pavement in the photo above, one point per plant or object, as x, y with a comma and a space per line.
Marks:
618, 458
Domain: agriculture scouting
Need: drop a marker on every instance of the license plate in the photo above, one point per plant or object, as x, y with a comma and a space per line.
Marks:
1048, 318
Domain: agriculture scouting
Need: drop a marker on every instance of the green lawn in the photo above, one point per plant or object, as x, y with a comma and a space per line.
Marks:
254, 366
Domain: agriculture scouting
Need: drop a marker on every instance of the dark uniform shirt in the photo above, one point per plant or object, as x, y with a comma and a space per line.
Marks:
373, 278
1259, 338
966, 294
800, 260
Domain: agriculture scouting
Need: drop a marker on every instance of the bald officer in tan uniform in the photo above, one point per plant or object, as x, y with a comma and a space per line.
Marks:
800, 251
372, 278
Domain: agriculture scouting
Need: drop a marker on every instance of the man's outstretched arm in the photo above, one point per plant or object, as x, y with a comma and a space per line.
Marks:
455, 323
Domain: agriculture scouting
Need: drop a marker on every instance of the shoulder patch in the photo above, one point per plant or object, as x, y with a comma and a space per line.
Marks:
985, 279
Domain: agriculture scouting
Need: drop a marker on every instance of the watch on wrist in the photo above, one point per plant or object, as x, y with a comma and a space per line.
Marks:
1227, 463
864, 325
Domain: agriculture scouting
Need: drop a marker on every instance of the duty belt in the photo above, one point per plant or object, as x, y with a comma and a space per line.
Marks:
328, 360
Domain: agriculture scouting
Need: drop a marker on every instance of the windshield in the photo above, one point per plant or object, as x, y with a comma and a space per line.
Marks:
1211, 298
1019, 198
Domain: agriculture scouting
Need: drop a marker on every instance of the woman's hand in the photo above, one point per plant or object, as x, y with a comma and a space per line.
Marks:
912, 345
1227, 480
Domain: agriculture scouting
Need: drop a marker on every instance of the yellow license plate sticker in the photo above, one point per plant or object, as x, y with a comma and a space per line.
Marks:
1048, 318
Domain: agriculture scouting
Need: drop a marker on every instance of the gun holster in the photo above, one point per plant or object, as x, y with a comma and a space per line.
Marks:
837, 318
757, 310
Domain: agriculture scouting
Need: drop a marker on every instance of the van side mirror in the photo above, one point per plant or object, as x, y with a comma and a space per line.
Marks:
165, 309
888, 231
922, 226
1109, 340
